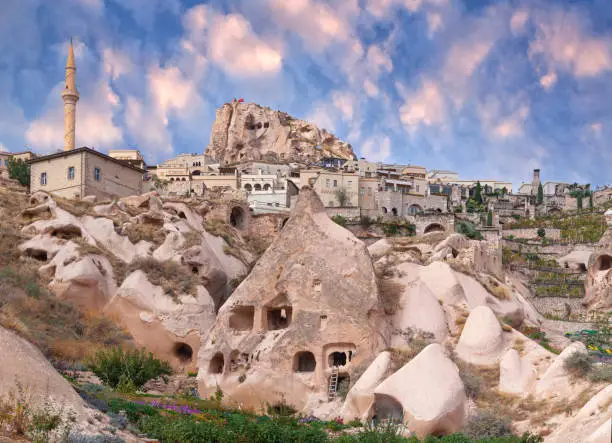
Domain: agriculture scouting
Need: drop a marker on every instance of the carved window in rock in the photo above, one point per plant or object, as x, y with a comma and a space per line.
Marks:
183, 352
242, 318
304, 361
278, 313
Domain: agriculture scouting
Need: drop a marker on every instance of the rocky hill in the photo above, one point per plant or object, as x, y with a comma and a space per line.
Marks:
264, 315
248, 131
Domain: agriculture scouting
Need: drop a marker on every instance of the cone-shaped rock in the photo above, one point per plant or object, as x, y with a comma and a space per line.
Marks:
310, 303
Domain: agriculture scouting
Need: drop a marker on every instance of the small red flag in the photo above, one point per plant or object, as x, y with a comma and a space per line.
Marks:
241, 100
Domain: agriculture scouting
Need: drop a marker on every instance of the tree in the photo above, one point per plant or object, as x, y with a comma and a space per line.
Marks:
19, 170
490, 218
591, 201
504, 191
342, 196
478, 193
540, 194
579, 201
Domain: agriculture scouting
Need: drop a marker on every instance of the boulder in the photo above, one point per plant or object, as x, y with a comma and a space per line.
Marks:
170, 248
23, 364
42, 247
481, 341
577, 260
555, 382
360, 398
430, 392
515, 373
454, 242
598, 283
183, 211
89, 199
380, 248
309, 304
419, 309
139, 201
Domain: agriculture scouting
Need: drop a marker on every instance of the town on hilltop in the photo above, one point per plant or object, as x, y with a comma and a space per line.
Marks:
278, 288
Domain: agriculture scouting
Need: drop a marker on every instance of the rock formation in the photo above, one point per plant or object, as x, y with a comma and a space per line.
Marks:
482, 340
427, 391
598, 283
247, 131
515, 373
310, 304
23, 364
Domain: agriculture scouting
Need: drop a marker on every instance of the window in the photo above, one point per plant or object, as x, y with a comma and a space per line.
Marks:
43, 178
327, 182
97, 174
335, 183
71, 173
417, 188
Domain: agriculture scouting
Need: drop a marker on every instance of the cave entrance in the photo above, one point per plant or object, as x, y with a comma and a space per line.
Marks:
337, 359
387, 408
216, 364
183, 352
237, 217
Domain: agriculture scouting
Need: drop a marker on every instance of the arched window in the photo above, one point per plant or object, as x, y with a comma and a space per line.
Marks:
257, 187
248, 187
394, 211
266, 187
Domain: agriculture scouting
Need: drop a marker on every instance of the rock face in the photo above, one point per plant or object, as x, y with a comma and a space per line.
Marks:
23, 363
481, 341
308, 305
591, 424
556, 381
598, 283
247, 131
427, 391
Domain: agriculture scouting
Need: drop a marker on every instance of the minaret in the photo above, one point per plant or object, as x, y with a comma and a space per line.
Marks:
70, 96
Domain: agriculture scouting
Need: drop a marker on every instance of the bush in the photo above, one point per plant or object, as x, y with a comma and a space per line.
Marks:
541, 232
601, 373
578, 364
19, 170
486, 424
468, 229
127, 370
338, 219
472, 383
366, 221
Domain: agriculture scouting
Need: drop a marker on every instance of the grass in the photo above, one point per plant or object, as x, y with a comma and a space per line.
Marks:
583, 226
171, 276
389, 294
77, 208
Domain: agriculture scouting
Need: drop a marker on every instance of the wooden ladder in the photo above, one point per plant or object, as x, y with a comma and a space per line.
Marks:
333, 385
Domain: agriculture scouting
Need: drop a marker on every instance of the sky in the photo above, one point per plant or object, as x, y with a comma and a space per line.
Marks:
489, 89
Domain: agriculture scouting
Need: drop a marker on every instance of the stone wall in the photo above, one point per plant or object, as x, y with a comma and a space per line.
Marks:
528, 233
351, 213
267, 225
426, 223
488, 258
390, 200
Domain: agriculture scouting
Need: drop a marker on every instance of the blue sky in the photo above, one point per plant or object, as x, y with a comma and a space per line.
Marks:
491, 89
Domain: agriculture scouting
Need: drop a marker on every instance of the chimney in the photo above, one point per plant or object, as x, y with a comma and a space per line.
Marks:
536, 176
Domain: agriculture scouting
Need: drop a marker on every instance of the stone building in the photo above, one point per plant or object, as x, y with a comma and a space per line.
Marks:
75, 173
4, 158
79, 172
330, 186
131, 156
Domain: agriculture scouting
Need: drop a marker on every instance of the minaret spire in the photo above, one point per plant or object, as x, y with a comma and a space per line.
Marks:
70, 95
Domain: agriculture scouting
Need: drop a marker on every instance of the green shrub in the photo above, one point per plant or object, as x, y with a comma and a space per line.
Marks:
19, 170
487, 424
471, 382
77, 437
338, 219
366, 221
468, 229
578, 364
127, 370
541, 232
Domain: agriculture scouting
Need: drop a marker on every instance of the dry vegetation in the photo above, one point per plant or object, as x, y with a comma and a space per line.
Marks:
145, 231
171, 276
431, 239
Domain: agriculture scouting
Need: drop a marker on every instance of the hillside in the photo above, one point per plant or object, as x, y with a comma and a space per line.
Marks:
294, 321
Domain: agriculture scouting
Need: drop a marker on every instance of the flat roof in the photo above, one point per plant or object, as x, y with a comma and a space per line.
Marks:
85, 149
